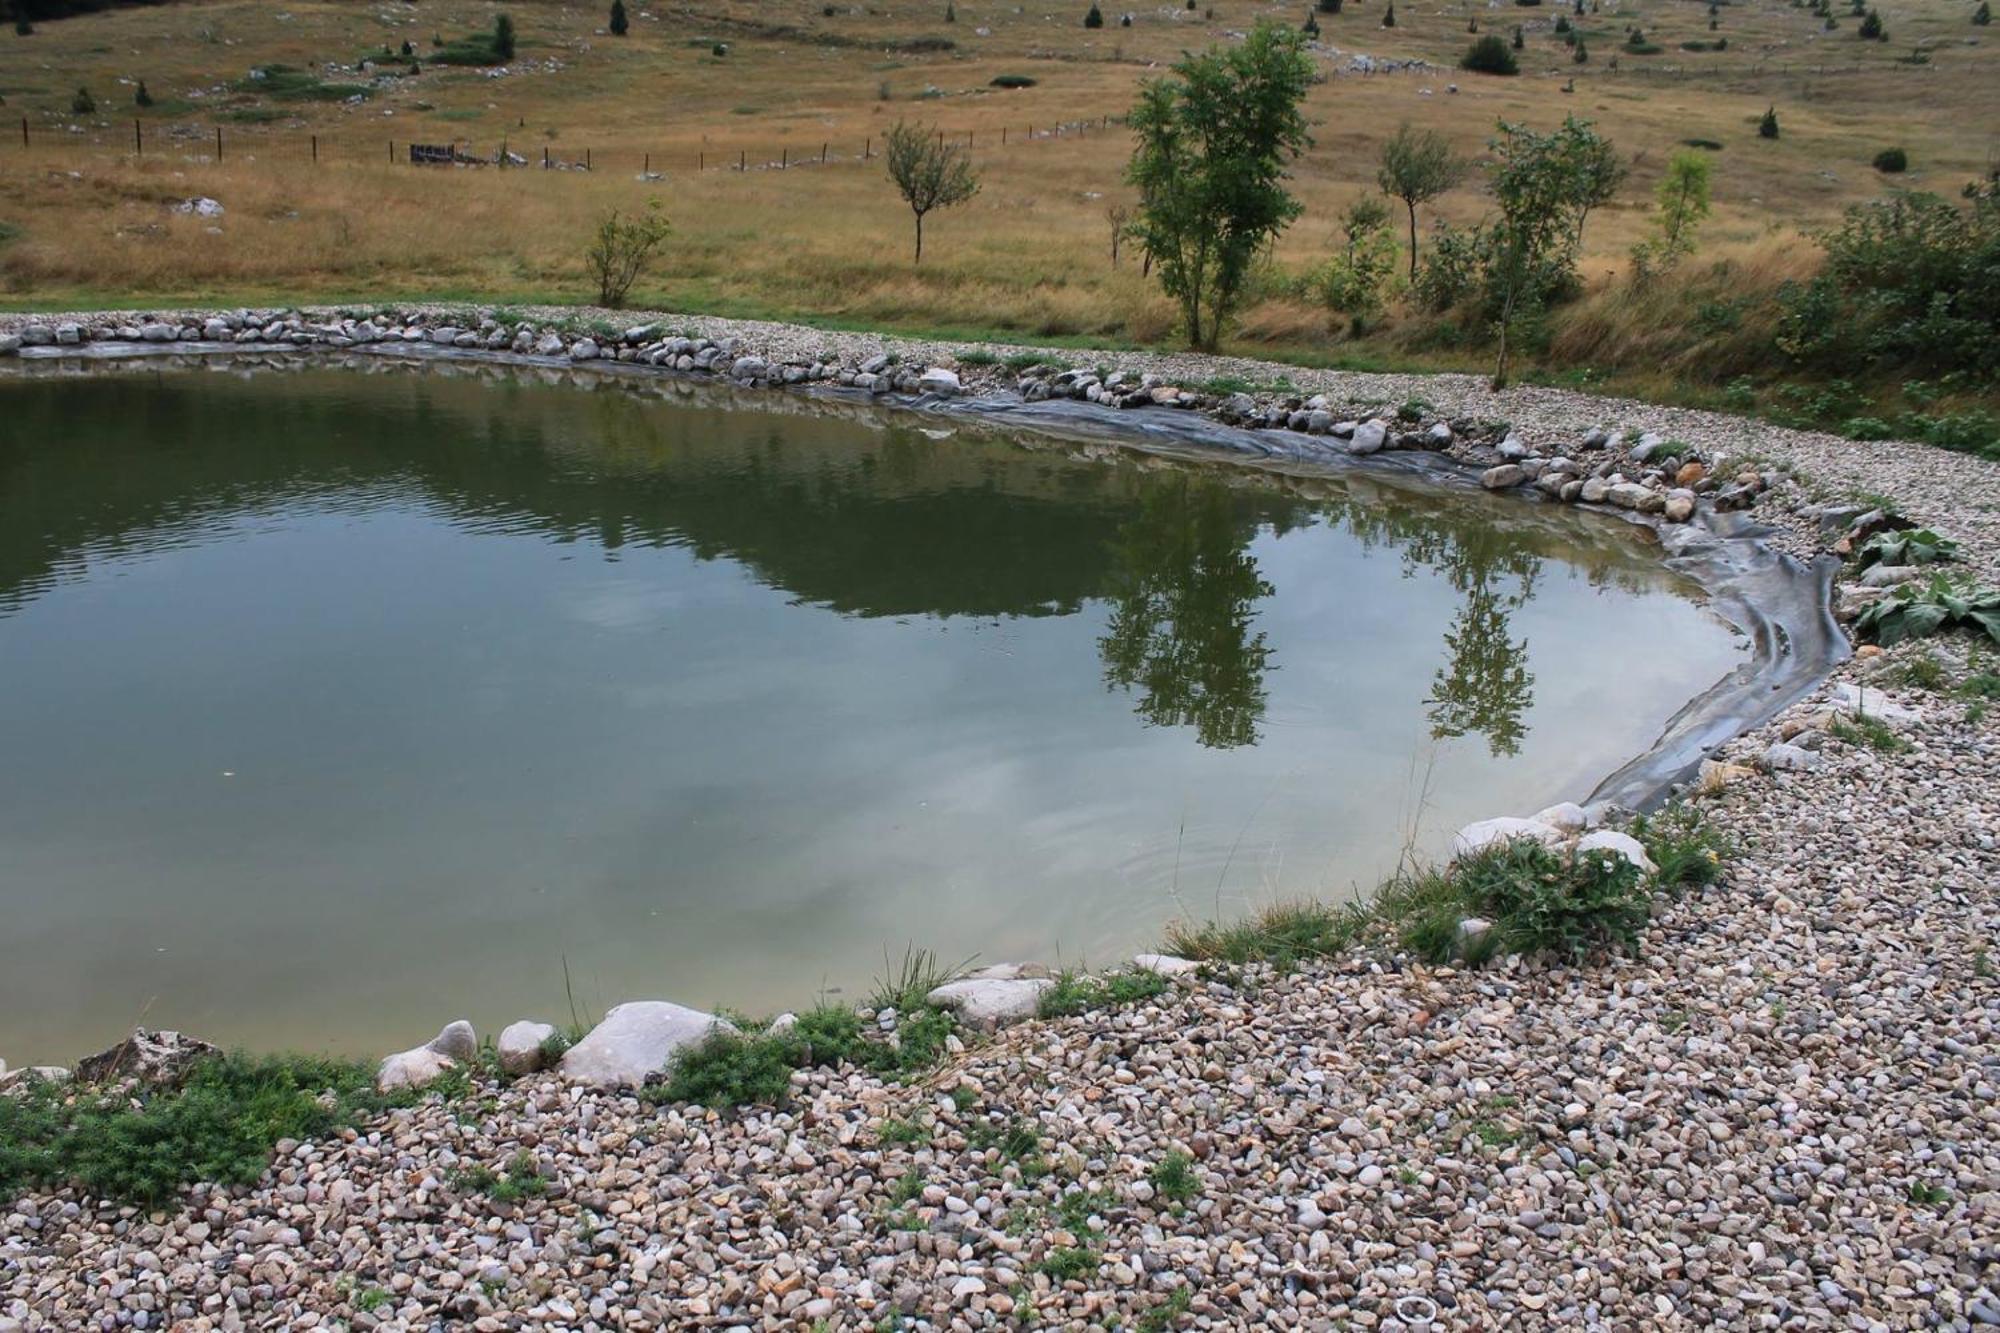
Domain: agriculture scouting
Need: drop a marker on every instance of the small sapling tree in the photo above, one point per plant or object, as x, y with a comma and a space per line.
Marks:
1214, 139
928, 172
620, 248
1417, 167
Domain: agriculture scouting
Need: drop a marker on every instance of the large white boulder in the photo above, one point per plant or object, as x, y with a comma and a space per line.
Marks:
1369, 437
991, 1002
1481, 834
637, 1040
939, 381
453, 1046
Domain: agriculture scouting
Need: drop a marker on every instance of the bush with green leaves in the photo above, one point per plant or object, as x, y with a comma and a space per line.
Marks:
1892, 161
83, 104
1489, 55
755, 1068
1212, 144
1911, 281
1537, 899
1093, 17
1356, 281
620, 248
1909, 546
1767, 124
1940, 603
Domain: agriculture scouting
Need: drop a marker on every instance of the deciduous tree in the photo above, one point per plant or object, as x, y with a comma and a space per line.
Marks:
928, 172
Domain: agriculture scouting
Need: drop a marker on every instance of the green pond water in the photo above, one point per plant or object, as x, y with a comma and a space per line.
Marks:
336, 705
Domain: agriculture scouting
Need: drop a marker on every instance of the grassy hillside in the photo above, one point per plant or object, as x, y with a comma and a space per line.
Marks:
725, 82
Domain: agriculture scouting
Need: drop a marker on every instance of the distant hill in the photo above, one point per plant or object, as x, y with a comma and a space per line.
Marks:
39, 11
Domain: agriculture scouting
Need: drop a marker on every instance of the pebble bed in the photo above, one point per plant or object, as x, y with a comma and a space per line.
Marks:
1783, 1112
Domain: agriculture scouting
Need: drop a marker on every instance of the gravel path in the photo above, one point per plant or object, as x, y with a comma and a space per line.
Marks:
1783, 1113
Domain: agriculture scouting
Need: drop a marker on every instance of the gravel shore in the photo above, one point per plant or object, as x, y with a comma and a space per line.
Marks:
1783, 1112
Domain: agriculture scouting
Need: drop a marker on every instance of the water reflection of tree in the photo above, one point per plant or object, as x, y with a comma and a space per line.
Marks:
1183, 589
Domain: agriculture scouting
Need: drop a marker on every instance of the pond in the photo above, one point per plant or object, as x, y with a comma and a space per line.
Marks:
338, 705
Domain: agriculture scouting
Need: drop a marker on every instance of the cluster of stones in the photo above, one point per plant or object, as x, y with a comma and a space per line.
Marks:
1646, 474
648, 345
1649, 475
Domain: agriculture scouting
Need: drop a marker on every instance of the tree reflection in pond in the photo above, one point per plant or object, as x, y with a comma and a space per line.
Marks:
1484, 685
1183, 591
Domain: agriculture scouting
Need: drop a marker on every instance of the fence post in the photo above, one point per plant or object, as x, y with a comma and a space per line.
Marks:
867, 145
822, 152
1003, 136
784, 158
138, 138
24, 131
648, 168
701, 161
218, 143
315, 148
586, 159
545, 157
742, 160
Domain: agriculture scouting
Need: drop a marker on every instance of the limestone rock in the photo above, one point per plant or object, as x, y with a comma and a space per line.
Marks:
413, 1068
1785, 757
1503, 477
149, 1057
991, 1002
1484, 833
1567, 816
636, 1040
1369, 437
938, 380
1620, 844
522, 1046
1164, 964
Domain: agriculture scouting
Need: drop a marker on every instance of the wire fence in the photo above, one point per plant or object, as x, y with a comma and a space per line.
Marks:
218, 144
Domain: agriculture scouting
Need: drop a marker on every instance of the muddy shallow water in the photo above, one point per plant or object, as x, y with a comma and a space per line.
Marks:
339, 704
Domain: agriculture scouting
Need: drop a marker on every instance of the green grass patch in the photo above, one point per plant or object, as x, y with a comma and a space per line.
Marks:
286, 83
518, 1181
755, 1068
1077, 993
1069, 1263
1173, 1178
1688, 850
907, 984
1871, 732
1283, 934
218, 1127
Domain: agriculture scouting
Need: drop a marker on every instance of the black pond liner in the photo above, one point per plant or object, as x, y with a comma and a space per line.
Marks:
1782, 605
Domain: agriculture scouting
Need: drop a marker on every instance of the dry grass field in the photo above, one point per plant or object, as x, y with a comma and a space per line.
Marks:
87, 220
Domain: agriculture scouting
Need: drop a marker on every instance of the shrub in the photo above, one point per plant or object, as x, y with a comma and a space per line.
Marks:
1909, 281
1389, 15
1536, 899
1767, 126
620, 249
1489, 55
620, 24
83, 104
142, 97
1684, 847
1871, 29
1450, 273
1094, 18
1909, 546
1983, 15
1891, 161
1012, 81
1355, 282
1916, 610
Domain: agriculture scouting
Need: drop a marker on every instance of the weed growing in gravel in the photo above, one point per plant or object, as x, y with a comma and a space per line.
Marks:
1069, 1263
1075, 1209
1926, 1195
1536, 898
1167, 1313
370, 1299
218, 1126
906, 985
734, 1069
520, 1179
1173, 1178
1688, 850
904, 1131
1872, 732
1076, 992
1923, 672
1282, 934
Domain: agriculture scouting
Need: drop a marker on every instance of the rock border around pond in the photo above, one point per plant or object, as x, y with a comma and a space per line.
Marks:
1780, 1111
